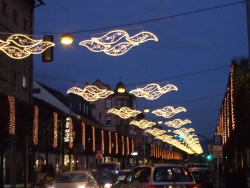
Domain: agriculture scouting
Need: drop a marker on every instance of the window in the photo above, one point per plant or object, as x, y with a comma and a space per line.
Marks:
169, 174
84, 108
145, 175
122, 103
108, 121
134, 176
3, 72
4, 8
80, 106
122, 121
24, 81
15, 17
108, 103
87, 109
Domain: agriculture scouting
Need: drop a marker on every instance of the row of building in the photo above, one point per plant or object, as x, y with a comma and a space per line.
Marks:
41, 127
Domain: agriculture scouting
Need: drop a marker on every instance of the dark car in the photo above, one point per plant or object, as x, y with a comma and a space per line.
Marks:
105, 178
47, 181
203, 178
75, 179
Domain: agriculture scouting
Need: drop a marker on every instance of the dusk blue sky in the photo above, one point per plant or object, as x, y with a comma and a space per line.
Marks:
194, 51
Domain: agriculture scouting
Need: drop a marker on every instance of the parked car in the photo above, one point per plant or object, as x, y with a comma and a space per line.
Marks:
160, 176
75, 179
203, 178
105, 178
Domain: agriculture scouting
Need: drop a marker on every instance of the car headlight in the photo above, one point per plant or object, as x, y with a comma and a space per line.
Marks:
107, 185
81, 186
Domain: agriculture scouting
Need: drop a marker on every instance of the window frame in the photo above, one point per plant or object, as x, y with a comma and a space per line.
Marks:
107, 119
108, 103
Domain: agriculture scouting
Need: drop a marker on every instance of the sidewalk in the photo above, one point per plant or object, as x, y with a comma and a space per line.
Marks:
221, 183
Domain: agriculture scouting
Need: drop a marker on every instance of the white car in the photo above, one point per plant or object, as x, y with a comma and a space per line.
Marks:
160, 176
75, 179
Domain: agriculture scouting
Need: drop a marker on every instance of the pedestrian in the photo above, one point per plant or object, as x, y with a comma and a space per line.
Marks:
248, 169
230, 181
241, 177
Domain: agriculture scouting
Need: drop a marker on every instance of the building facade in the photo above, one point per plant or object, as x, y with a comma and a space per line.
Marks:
16, 75
234, 121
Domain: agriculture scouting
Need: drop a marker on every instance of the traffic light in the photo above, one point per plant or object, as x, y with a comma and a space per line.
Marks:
209, 157
48, 54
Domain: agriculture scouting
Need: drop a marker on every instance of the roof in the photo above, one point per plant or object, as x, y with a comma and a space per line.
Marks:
77, 172
99, 82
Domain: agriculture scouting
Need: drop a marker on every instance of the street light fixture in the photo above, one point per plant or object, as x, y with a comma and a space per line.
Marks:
160, 122
120, 88
146, 110
67, 39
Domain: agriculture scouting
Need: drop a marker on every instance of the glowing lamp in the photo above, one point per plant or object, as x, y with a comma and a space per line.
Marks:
67, 39
121, 90
160, 122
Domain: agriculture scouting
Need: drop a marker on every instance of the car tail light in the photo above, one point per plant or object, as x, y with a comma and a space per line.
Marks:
192, 186
156, 186
170, 186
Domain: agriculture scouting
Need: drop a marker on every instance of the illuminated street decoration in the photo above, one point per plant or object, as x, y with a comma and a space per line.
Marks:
110, 142
128, 148
142, 37
35, 126
91, 93
168, 111
103, 141
177, 123
155, 131
116, 143
119, 49
143, 123
20, 46
83, 135
123, 145
107, 42
232, 96
183, 130
12, 124
153, 91
190, 139
94, 138
111, 37
169, 139
124, 112
55, 129
69, 132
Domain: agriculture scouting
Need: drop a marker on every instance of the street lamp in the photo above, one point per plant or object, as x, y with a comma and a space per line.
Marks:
146, 110
120, 88
67, 39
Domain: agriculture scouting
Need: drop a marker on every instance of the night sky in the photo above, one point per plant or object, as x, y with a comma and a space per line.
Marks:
197, 41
